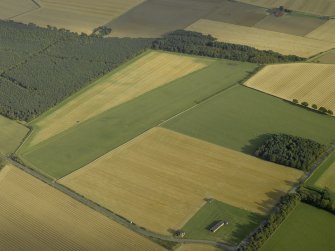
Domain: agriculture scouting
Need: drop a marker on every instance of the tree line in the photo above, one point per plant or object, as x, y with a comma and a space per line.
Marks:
290, 151
195, 43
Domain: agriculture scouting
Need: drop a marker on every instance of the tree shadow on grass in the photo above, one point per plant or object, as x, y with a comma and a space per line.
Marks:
254, 144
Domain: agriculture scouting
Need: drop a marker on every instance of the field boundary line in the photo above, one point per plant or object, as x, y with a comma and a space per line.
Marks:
37, 7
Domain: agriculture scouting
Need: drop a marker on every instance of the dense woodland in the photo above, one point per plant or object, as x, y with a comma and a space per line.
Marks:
290, 151
40, 67
196, 43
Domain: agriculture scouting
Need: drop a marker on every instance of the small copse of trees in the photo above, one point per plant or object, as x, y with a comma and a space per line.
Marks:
290, 151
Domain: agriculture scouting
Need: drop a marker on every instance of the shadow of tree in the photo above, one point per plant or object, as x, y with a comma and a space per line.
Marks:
254, 144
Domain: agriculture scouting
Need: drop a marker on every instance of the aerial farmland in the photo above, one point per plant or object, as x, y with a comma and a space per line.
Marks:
186, 125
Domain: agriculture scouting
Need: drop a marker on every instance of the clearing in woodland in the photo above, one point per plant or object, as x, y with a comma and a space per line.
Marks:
325, 32
34, 216
79, 145
13, 8
317, 7
160, 179
11, 135
144, 74
306, 228
77, 15
312, 83
262, 39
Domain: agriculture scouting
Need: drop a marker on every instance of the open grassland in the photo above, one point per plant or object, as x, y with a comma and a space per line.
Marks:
77, 15
262, 39
132, 80
89, 140
12, 8
240, 223
306, 228
325, 32
161, 178
196, 247
240, 117
318, 7
313, 83
11, 135
298, 25
34, 216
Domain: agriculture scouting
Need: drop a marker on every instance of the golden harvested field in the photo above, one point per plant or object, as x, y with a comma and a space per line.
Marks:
325, 32
313, 83
161, 178
12, 8
262, 39
196, 247
152, 70
34, 216
318, 7
327, 178
78, 15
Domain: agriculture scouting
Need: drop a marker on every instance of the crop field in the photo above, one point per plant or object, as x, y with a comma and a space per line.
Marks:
262, 39
132, 80
306, 228
196, 247
34, 216
298, 25
326, 58
156, 17
11, 135
324, 32
160, 179
240, 117
313, 83
89, 140
12, 8
77, 15
319, 7
240, 223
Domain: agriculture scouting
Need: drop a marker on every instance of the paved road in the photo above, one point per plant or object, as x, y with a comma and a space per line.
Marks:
112, 215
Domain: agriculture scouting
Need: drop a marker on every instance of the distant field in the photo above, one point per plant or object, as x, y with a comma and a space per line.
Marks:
89, 140
34, 216
12, 8
132, 80
318, 7
325, 32
326, 58
239, 118
298, 25
240, 223
306, 228
77, 15
261, 39
313, 83
196, 247
161, 178
11, 135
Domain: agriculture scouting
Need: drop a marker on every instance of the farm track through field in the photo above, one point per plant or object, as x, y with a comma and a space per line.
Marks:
119, 219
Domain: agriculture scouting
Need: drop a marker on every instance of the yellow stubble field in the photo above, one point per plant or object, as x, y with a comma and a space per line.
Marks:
34, 216
161, 178
77, 15
325, 32
262, 39
12, 8
152, 70
312, 83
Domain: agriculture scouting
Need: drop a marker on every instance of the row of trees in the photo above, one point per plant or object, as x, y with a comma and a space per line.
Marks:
196, 43
321, 109
290, 151
41, 66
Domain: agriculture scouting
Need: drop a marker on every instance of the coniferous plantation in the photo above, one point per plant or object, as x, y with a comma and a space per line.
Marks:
40, 67
290, 151
196, 43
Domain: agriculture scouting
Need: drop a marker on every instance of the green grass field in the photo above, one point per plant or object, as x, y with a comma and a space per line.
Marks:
78, 146
240, 117
306, 228
11, 135
240, 223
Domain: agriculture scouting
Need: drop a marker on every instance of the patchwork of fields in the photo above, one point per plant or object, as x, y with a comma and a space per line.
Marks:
77, 15
13, 8
262, 39
148, 72
324, 32
306, 228
160, 179
34, 216
313, 83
